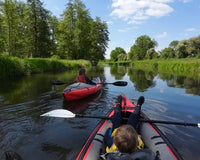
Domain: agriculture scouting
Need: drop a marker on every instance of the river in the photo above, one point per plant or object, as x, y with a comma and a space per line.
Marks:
23, 100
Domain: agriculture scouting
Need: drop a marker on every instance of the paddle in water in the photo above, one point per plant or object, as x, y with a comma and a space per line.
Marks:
117, 83
63, 113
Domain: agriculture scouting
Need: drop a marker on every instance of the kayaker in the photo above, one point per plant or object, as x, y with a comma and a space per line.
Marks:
82, 77
123, 141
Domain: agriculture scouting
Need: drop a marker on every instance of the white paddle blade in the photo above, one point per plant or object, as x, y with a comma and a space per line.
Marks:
60, 113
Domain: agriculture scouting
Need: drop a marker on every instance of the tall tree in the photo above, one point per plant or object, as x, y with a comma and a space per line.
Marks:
65, 36
82, 30
139, 49
9, 10
2, 30
79, 36
99, 40
53, 25
39, 30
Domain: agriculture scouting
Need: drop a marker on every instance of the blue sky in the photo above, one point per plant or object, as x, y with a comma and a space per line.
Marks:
162, 20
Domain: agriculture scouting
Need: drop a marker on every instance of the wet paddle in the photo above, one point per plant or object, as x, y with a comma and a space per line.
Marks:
117, 83
62, 113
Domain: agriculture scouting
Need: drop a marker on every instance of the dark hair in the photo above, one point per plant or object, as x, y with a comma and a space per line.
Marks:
82, 71
126, 139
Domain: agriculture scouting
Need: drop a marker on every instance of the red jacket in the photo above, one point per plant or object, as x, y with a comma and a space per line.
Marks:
81, 78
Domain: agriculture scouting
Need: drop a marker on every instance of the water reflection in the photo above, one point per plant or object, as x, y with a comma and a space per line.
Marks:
22, 101
145, 79
118, 71
142, 79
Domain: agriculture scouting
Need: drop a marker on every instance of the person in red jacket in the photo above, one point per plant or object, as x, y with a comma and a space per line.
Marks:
82, 77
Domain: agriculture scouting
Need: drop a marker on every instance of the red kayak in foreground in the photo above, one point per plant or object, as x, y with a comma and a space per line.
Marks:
81, 90
151, 135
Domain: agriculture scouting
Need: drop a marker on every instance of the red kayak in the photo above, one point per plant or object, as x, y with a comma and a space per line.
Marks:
153, 138
81, 90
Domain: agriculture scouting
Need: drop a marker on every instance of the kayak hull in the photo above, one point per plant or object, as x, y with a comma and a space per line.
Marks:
81, 90
152, 137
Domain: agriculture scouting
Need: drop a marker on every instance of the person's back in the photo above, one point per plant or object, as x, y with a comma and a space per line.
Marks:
83, 78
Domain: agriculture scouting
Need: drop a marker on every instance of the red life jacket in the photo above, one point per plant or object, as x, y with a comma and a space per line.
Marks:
81, 78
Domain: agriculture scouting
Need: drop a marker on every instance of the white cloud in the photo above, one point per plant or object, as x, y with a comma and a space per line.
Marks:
190, 30
124, 30
185, 1
109, 22
137, 11
164, 34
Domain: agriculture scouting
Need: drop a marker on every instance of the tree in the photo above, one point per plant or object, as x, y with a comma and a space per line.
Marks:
173, 44
81, 30
193, 46
53, 25
168, 53
122, 57
39, 31
139, 49
79, 36
180, 49
117, 51
98, 40
2, 31
65, 37
9, 10
151, 53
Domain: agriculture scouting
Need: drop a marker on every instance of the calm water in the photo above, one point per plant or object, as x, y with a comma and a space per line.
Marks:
22, 101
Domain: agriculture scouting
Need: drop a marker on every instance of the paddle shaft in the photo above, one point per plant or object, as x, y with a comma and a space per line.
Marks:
147, 121
87, 116
170, 122
62, 113
117, 83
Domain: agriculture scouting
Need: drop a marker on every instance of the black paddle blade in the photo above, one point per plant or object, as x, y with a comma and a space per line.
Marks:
120, 83
57, 82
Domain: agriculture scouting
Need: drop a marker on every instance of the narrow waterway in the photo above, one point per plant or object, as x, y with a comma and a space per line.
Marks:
23, 100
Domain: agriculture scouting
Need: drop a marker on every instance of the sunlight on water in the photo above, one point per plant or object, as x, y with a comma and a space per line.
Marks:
167, 97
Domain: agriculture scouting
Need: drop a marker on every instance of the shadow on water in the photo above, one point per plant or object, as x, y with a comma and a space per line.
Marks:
22, 101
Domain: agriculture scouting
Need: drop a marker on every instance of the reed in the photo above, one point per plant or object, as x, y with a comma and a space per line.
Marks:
183, 67
13, 66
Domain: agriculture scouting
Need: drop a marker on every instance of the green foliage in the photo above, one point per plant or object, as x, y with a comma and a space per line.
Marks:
180, 49
122, 57
142, 80
168, 53
198, 55
79, 36
176, 66
151, 54
139, 50
116, 52
13, 66
173, 44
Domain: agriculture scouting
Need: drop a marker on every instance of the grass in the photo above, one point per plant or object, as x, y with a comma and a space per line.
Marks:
188, 66
13, 66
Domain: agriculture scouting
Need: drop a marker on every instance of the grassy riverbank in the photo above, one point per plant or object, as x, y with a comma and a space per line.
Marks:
181, 67
13, 66
190, 67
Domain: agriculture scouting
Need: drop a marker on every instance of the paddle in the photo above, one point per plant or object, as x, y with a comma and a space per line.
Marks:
117, 83
62, 113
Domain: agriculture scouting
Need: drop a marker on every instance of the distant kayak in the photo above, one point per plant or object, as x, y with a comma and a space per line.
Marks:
153, 138
81, 90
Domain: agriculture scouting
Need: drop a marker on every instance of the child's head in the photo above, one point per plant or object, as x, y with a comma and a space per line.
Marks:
126, 139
